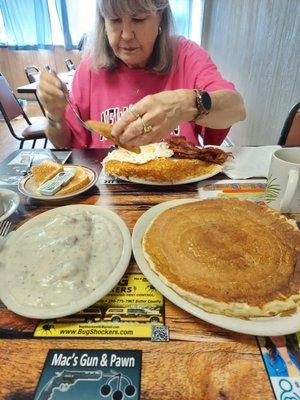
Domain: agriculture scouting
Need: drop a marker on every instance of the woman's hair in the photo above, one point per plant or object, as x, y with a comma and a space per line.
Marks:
270, 346
99, 49
291, 344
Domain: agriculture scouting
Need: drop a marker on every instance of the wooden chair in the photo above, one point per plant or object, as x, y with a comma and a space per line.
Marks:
33, 75
11, 108
70, 65
290, 134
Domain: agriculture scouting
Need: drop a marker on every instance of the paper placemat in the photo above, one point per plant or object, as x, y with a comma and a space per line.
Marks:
244, 189
109, 179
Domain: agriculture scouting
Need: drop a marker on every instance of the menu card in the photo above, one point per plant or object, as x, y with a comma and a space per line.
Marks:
90, 374
281, 356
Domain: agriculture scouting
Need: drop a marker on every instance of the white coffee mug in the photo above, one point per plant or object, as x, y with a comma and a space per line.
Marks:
283, 186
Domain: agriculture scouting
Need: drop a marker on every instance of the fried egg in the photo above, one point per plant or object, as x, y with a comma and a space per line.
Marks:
148, 153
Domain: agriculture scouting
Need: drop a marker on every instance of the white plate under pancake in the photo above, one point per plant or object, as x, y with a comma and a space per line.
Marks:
217, 170
264, 326
28, 186
81, 303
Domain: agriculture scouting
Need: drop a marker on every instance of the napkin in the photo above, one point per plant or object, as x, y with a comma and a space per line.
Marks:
249, 162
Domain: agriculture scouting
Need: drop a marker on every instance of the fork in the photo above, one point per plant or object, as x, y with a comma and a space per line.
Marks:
83, 123
5, 228
29, 164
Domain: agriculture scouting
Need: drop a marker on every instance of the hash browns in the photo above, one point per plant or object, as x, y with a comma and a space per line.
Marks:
161, 169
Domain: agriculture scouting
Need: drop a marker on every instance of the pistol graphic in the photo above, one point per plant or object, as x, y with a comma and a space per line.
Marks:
62, 381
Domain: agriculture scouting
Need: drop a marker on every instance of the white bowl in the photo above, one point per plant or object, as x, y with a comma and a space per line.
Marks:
11, 201
30, 311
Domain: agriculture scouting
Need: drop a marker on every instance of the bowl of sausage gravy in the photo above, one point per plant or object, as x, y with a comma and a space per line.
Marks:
63, 261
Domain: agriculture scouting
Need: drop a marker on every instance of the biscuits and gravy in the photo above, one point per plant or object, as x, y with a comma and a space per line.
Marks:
80, 253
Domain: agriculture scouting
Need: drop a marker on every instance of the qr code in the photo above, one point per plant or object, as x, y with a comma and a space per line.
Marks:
160, 333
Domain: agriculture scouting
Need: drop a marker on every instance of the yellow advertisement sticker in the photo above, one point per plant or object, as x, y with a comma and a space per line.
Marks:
130, 311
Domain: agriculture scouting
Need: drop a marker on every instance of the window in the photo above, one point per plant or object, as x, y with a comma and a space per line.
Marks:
46, 24
197, 20
188, 17
57, 34
83, 14
3, 37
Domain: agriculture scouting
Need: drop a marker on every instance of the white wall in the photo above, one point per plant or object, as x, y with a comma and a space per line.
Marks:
256, 44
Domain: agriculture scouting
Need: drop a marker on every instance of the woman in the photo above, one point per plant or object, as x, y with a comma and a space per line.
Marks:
283, 356
140, 78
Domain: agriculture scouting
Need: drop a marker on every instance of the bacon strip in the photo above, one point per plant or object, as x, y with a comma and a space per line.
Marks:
182, 148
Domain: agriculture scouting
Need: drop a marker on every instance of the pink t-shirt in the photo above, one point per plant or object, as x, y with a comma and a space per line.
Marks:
103, 95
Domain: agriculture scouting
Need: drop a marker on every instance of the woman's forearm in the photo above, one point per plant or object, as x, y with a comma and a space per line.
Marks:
227, 108
164, 111
59, 134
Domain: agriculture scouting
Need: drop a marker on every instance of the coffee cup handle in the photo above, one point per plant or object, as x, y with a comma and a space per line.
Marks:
290, 190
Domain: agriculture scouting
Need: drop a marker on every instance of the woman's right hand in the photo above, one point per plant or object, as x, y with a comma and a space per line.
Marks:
50, 94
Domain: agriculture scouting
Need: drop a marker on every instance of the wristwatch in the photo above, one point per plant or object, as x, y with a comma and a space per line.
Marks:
203, 102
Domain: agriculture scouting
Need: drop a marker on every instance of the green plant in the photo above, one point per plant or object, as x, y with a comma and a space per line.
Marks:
272, 189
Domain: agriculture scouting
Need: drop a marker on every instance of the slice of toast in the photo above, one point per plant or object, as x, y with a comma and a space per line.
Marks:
80, 180
105, 130
45, 170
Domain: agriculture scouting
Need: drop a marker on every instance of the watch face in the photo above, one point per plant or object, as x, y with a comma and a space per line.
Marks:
206, 100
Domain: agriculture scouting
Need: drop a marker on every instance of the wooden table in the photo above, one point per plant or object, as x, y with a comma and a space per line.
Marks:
66, 77
201, 361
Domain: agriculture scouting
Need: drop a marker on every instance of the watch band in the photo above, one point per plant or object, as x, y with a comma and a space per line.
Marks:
53, 122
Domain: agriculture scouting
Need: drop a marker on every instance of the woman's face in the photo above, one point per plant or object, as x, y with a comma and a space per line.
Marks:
279, 341
132, 37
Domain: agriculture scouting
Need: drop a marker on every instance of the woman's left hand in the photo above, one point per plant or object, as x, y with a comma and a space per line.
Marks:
154, 117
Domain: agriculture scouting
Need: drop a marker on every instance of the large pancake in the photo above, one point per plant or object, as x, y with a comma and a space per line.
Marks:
227, 256
161, 169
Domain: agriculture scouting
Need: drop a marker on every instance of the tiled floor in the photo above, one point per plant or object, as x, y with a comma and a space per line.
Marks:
7, 142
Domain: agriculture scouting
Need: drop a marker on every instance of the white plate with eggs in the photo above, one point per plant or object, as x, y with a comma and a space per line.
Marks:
140, 168
63, 261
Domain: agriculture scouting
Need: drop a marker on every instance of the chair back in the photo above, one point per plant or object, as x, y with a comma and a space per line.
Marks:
33, 75
9, 105
290, 134
32, 72
70, 65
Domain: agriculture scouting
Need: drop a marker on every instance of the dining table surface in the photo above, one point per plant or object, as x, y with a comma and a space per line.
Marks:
66, 77
200, 361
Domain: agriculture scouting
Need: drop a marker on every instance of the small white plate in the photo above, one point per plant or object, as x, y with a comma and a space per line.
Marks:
28, 186
217, 170
265, 326
11, 201
74, 306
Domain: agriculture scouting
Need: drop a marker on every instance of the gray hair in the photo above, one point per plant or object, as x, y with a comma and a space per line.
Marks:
98, 47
